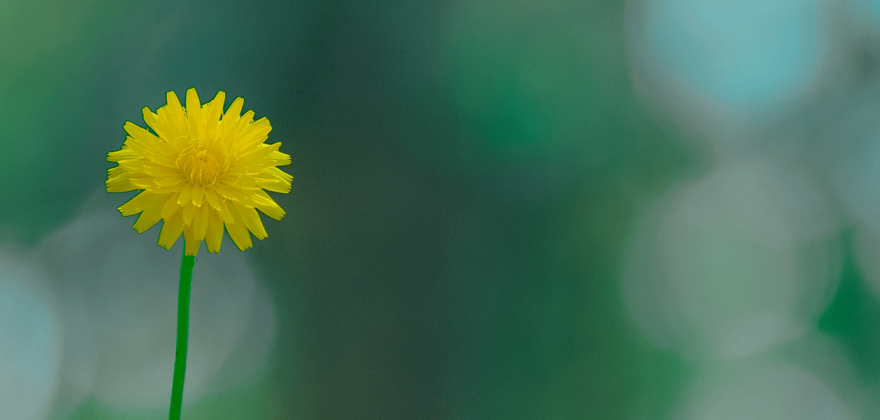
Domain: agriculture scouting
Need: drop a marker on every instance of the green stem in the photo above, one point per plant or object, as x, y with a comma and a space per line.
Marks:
186, 272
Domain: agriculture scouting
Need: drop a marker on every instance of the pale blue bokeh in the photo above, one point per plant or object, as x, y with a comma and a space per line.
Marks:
30, 342
740, 53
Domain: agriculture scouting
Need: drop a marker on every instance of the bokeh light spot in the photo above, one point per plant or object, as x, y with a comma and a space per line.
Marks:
30, 341
733, 263
749, 58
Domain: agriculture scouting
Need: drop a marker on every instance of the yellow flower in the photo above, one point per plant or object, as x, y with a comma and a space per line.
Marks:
202, 170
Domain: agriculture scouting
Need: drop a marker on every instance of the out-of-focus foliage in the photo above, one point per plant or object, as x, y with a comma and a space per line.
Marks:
565, 209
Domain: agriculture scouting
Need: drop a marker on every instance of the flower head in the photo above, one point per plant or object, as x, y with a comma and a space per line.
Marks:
199, 170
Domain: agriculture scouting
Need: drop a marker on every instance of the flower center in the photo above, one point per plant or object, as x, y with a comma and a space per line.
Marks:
202, 169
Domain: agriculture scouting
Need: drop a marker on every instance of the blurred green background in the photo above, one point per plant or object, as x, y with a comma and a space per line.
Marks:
468, 176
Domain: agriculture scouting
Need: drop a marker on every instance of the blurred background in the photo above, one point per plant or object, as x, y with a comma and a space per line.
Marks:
558, 209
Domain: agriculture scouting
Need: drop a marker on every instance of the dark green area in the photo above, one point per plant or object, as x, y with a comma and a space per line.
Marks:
464, 174
854, 318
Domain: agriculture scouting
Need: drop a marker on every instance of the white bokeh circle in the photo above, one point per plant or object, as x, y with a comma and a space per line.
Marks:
716, 65
122, 288
740, 260
30, 340
764, 390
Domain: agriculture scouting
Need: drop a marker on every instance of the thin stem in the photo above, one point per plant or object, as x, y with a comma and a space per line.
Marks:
186, 272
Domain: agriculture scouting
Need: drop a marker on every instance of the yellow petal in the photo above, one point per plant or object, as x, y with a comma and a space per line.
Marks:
171, 230
147, 219
119, 183
152, 121
173, 123
255, 154
151, 156
140, 202
239, 125
273, 185
170, 208
191, 243
212, 198
194, 113
139, 146
251, 220
230, 117
189, 212
226, 192
175, 113
200, 222
213, 110
124, 153
224, 212
152, 213
165, 190
276, 158
171, 181
242, 182
185, 196
267, 205
278, 173
147, 146
214, 234
198, 196
243, 196
254, 134
238, 232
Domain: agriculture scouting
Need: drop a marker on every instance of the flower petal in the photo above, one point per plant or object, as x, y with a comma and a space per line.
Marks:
251, 220
136, 205
170, 208
200, 222
214, 234
213, 110
231, 116
267, 205
224, 212
238, 232
230, 143
152, 121
191, 243
151, 214
174, 112
185, 196
274, 179
198, 195
212, 198
254, 134
189, 212
118, 180
194, 114
124, 153
171, 230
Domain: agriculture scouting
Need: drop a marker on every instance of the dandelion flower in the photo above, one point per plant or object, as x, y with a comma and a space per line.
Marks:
198, 171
